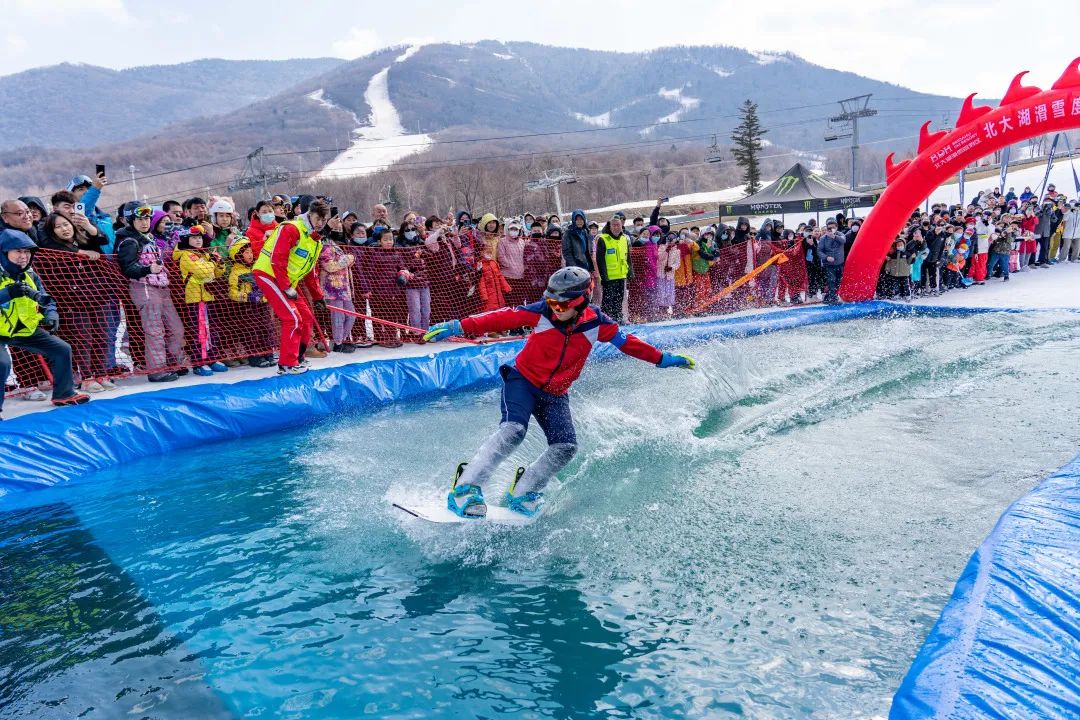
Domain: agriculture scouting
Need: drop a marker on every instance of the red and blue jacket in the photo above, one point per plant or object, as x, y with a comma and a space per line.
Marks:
555, 352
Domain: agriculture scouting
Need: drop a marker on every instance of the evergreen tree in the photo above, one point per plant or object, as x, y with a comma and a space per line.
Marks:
393, 197
746, 140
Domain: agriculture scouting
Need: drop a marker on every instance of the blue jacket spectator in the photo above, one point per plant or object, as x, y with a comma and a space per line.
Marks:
88, 193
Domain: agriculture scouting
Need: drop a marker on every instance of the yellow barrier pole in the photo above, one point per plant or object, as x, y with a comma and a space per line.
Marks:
778, 258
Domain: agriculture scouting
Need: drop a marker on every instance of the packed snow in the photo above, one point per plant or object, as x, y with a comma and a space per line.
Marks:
601, 120
766, 58
383, 140
686, 103
1055, 287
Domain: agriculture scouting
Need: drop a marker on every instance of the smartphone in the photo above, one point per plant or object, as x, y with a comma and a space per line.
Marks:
333, 211
99, 170
80, 208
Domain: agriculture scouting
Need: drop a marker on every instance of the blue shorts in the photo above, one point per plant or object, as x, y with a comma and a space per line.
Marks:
522, 400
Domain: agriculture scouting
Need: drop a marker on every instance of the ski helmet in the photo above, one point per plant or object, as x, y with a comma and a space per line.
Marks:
568, 283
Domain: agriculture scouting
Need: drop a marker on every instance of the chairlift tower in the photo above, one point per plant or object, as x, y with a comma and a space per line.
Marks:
851, 109
257, 175
552, 179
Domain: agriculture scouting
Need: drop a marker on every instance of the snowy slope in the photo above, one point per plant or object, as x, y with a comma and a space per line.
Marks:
382, 141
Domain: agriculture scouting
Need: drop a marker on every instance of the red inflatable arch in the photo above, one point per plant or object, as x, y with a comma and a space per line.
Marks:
1024, 112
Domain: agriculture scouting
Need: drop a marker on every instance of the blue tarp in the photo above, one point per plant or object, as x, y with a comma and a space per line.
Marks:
1007, 644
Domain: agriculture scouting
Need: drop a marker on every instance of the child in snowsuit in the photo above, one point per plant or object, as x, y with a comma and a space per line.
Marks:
197, 269
253, 315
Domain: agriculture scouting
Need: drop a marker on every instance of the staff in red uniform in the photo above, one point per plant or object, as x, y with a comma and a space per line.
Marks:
566, 327
289, 257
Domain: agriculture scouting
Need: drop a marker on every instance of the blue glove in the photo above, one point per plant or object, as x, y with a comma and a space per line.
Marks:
673, 360
443, 330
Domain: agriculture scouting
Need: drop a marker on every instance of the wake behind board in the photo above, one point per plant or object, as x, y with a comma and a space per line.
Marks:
437, 512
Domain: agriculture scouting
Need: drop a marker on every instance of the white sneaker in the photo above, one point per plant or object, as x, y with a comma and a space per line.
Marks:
108, 384
35, 395
92, 386
293, 370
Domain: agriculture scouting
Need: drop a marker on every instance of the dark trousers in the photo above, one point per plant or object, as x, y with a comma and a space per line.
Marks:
998, 260
930, 275
612, 301
1044, 251
57, 354
833, 274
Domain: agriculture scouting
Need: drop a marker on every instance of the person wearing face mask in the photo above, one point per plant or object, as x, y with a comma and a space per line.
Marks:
409, 234
565, 330
511, 257
358, 236
288, 258
577, 249
263, 222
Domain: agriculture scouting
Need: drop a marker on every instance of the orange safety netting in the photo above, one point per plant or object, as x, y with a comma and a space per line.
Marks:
119, 327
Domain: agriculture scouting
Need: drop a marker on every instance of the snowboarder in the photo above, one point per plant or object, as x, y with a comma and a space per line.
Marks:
565, 327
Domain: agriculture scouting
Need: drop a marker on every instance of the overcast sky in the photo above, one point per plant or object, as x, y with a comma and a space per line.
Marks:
947, 47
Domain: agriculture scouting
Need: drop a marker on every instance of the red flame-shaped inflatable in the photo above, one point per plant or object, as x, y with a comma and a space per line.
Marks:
1024, 112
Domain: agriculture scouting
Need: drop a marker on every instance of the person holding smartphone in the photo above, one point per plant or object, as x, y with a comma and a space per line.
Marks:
87, 191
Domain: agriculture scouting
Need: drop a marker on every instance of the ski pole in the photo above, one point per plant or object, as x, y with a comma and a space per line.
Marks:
410, 328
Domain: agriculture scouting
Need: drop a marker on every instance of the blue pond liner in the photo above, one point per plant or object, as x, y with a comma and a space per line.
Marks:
1007, 643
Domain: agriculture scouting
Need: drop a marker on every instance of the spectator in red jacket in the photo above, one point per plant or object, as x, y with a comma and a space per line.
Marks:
263, 222
289, 257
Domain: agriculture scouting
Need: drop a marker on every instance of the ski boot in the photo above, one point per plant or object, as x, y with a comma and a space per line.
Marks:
527, 504
471, 498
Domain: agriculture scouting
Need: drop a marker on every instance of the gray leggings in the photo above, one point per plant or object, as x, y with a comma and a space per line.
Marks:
419, 300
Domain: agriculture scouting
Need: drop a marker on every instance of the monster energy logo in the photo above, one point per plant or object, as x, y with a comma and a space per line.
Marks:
786, 184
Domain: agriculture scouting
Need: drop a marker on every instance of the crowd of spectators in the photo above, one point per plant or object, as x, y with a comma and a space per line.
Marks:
996, 234
168, 290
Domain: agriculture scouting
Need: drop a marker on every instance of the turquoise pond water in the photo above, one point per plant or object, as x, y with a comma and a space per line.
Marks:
770, 537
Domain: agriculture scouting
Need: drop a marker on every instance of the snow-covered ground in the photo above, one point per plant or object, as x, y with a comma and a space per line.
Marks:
383, 140
1057, 286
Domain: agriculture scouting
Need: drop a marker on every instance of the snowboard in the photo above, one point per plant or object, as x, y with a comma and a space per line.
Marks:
437, 512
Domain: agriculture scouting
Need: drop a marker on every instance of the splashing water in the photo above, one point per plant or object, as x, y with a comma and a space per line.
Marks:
769, 537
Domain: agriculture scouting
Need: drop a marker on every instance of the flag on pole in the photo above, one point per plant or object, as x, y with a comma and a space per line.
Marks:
962, 170
1004, 168
1072, 164
1049, 164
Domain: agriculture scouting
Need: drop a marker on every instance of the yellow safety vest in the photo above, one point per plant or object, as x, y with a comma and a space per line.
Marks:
616, 256
20, 317
302, 257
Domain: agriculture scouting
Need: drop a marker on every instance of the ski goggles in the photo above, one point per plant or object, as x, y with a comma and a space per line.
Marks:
564, 305
143, 211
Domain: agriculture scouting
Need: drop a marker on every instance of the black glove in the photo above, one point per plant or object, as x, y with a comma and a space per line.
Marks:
43, 299
319, 304
17, 290
50, 323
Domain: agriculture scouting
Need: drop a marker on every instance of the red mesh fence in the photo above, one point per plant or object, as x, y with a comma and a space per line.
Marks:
204, 308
